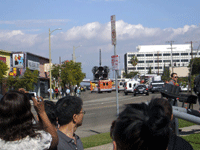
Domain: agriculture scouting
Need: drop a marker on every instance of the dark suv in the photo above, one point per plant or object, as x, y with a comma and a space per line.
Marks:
156, 86
141, 89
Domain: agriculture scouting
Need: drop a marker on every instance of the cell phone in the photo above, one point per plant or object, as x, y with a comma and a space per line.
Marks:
30, 95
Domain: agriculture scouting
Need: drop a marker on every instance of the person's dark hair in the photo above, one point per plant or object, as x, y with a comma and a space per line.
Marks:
164, 103
173, 74
66, 107
141, 128
16, 118
50, 109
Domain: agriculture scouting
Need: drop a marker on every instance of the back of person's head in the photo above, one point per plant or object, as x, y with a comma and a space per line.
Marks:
66, 107
15, 116
164, 103
172, 74
50, 109
141, 128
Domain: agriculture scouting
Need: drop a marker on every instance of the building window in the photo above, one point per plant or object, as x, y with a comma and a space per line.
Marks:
133, 68
140, 61
149, 61
166, 60
184, 54
176, 60
193, 53
166, 54
157, 54
140, 55
149, 67
184, 60
131, 55
140, 68
175, 54
157, 67
156, 61
148, 55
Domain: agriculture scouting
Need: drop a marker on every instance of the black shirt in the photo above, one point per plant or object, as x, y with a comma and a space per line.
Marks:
178, 143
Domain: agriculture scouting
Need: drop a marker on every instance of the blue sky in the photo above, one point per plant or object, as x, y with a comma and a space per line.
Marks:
24, 26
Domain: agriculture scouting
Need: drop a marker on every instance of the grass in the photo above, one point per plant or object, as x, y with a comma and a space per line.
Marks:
194, 140
96, 140
183, 123
104, 138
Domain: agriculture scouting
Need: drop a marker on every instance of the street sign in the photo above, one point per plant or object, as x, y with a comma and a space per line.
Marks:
115, 62
113, 31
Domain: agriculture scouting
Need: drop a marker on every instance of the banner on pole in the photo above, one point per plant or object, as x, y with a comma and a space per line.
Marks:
115, 62
113, 30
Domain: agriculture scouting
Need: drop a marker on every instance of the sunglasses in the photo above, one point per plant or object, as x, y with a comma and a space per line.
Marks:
175, 77
82, 112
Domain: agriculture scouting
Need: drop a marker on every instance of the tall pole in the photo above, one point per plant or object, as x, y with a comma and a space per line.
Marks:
50, 64
116, 84
50, 60
171, 54
73, 56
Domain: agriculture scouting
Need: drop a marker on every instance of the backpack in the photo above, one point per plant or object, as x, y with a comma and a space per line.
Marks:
197, 84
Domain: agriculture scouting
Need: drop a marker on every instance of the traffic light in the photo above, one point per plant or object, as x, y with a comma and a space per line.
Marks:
100, 72
106, 71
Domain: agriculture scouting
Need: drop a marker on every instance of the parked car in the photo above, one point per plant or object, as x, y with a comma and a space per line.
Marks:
141, 89
120, 86
129, 86
184, 88
156, 86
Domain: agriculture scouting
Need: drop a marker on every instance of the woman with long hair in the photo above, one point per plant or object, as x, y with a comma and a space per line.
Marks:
18, 130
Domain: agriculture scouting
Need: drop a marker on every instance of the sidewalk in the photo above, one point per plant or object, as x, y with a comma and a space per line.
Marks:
185, 131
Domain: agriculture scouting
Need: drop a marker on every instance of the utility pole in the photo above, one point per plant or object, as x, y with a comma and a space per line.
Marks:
171, 54
190, 73
158, 61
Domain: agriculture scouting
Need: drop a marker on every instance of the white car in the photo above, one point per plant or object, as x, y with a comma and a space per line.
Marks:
185, 88
129, 86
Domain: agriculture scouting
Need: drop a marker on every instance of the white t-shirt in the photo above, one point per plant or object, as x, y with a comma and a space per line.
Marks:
28, 143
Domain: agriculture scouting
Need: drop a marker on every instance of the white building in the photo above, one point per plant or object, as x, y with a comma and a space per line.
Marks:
156, 56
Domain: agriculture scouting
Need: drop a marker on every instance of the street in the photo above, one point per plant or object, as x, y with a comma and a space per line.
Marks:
101, 110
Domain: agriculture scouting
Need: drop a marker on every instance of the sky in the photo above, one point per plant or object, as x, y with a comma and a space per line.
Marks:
86, 24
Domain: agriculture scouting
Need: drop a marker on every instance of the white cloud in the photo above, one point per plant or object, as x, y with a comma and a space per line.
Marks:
94, 36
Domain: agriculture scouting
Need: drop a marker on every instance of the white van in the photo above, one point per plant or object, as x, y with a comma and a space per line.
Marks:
129, 86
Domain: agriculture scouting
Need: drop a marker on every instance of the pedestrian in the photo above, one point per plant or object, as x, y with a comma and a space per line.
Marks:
52, 93
138, 127
70, 116
197, 87
62, 92
175, 142
18, 132
56, 92
67, 91
174, 78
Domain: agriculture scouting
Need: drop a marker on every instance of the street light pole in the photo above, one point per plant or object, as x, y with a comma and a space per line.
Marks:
74, 57
50, 60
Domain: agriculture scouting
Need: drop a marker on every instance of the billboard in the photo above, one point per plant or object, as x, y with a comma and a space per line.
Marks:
18, 60
33, 65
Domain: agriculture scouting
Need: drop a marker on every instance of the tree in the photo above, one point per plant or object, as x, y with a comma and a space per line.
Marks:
149, 72
71, 73
166, 74
195, 62
26, 81
134, 60
3, 70
130, 75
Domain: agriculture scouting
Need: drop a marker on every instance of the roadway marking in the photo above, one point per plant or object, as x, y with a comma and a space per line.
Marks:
111, 101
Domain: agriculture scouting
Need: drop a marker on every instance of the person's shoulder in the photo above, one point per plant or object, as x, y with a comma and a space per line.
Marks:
179, 143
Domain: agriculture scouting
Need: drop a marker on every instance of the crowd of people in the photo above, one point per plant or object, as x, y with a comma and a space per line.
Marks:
64, 91
138, 127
